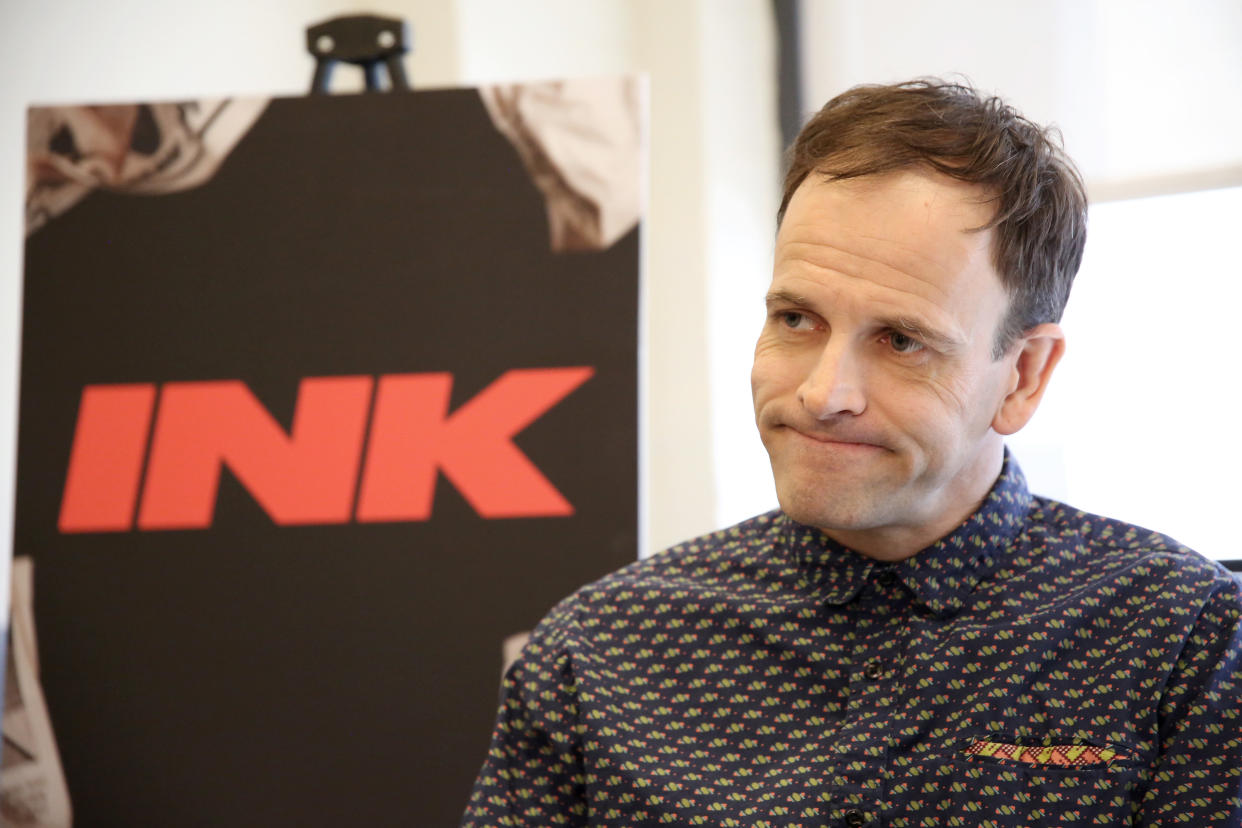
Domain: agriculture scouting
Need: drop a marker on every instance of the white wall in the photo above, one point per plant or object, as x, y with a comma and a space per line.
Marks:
1140, 421
742, 196
1141, 89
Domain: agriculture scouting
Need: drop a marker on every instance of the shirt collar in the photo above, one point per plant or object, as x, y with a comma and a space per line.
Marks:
940, 576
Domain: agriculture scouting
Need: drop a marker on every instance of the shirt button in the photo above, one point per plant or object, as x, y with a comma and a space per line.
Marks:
886, 577
854, 819
873, 670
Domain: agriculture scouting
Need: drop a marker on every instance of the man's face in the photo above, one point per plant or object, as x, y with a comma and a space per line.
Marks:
874, 383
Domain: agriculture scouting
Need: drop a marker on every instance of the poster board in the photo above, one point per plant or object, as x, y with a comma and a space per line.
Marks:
322, 400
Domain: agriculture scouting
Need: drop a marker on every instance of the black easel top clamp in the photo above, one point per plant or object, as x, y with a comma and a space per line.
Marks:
364, 40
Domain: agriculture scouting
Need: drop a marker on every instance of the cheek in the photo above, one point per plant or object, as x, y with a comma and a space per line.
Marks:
772, 373
933, 410
952, 394
967, 399
764, 385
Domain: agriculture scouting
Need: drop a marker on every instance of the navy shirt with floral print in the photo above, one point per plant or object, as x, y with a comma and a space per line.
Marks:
1037, 667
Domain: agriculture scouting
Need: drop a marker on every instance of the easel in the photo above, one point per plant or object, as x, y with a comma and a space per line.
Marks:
364, 40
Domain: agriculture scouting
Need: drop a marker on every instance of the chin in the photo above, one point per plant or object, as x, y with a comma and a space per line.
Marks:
853, 497
824, 508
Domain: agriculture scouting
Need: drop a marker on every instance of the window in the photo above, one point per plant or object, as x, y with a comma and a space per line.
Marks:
1141, 421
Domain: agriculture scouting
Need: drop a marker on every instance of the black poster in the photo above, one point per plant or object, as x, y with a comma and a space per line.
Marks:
322, 400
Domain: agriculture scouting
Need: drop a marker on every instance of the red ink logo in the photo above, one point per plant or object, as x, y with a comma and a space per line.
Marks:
309, 474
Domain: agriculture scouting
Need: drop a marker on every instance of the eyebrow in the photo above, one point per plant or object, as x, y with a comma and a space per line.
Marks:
777, 297
915, 327
923, 333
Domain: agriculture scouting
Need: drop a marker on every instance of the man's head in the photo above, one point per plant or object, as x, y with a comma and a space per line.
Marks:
896, 351
1037, 197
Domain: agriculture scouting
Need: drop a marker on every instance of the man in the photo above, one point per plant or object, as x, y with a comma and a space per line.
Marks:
912, 639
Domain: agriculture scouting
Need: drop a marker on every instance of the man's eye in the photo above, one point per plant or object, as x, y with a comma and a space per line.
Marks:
794, 319
903, 344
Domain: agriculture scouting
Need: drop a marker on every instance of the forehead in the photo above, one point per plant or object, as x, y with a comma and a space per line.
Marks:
911, 236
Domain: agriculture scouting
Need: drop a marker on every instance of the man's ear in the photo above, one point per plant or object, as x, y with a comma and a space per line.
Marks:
1039, 351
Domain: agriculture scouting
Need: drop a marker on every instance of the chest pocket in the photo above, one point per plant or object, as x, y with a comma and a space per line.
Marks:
1002, 780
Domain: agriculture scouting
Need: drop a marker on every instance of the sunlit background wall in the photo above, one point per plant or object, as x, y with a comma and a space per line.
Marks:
1140, 421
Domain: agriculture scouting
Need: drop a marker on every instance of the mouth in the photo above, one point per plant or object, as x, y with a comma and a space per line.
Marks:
844, 442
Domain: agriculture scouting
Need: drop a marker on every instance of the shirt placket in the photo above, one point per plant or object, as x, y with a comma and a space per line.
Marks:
882, 610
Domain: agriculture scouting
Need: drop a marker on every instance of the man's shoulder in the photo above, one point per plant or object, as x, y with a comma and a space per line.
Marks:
1117, 543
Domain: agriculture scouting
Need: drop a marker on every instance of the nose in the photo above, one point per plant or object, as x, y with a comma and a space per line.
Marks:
834, 384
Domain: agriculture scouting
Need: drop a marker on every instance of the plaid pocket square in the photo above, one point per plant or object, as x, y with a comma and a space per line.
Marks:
1058, 755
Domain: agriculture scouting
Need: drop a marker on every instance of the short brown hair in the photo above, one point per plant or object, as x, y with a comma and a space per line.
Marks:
1041, 212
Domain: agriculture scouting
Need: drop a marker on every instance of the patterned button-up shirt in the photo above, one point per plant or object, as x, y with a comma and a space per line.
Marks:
1039, 666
